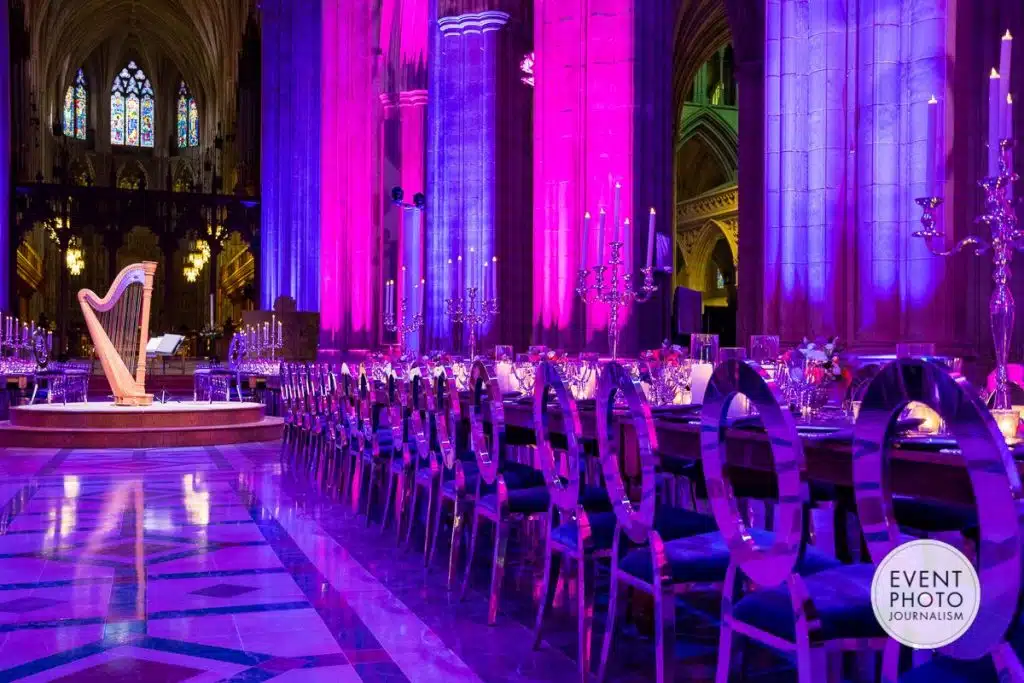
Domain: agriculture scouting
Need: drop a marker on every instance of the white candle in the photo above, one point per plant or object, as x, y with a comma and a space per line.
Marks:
600, 237
280, 330
931, 142
1008, 134
404, 293
620, 236
487, 281
459, 290
1005, 47
423, 289
615, 211
995, 113
24, 334
49, 341
700, 375
586, 239
494, 277
650, 239
472, 270
211, 311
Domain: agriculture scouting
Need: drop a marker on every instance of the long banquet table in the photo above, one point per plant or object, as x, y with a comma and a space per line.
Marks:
925, 468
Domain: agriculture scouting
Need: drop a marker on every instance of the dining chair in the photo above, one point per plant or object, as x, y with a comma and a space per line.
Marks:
988, 650
458, 476
414, 444
580, 520
802, 603
438, 448
507, 492
380, 416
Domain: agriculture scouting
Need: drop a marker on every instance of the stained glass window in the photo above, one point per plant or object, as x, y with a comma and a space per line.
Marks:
132, 110
76, 101
188, 118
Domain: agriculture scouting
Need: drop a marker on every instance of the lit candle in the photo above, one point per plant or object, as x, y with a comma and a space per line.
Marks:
459, 290
423, 289
486, 294
49, 341
1008, 422
1008, 134
621, 236
650, 239
1005, 46
280, 331
700, 375
472, 270
24, 334
600, 236
404, 294
994, 120
586, 239
273, 324
931, 142
616, 202
494, 277
211, 311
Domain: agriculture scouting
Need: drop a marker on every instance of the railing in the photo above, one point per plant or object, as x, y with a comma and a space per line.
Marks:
718, 203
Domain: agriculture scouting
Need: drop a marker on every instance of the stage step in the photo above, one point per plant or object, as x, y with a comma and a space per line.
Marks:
267, 429
104, 425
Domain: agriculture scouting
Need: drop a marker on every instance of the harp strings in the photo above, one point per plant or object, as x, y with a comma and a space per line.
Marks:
123, 325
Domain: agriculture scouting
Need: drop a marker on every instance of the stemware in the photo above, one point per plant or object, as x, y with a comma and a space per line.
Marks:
524, 370
704, 348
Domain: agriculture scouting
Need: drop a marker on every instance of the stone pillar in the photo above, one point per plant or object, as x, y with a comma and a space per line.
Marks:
603, 116
846, 90
463, 187
290, 153
6, 229
350, 277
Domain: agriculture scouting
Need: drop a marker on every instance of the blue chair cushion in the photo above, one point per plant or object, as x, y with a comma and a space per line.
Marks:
704, 558
595, 499
925, 515
523, 501
841, 596
948, 670
672, 523
602, 531
520, 476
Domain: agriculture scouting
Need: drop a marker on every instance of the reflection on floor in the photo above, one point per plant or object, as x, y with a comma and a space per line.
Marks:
223, 563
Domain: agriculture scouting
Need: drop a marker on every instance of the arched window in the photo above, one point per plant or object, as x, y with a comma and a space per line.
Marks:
131, 108
76, 101
188, 118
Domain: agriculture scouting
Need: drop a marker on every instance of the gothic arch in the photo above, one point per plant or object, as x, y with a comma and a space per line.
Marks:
697, 246
717, 135
130, 173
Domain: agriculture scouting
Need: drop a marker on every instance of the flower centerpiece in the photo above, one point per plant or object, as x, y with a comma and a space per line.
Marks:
665, 375
808, 369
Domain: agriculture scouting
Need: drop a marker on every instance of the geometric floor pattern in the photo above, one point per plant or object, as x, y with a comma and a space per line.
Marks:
216, 564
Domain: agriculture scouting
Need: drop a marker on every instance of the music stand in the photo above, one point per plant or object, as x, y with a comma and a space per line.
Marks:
163, 347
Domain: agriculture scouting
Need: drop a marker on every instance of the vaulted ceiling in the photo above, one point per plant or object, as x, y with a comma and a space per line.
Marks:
201, 37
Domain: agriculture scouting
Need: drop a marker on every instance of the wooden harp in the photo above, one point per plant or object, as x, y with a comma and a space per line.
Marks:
119, 326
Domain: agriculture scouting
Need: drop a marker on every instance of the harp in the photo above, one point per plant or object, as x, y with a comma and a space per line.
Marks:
119, 326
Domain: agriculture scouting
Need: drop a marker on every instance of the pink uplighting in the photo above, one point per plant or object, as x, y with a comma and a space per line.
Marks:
348, 288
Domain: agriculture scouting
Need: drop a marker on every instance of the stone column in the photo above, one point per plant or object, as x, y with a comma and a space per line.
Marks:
350, 278
6, 229
290, 153
603, 116
463, 132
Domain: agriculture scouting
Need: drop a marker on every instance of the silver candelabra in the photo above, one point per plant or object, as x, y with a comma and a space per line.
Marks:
472, 313
1006, 238
402, 324
617, 293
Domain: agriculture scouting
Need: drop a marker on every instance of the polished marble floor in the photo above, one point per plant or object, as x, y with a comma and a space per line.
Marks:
230, 564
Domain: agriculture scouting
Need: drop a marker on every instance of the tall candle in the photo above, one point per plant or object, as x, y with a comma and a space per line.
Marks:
1005, 47
700, 375
404, 293
931, 142
460, 290
586, 239
280, 332
620, 236
273, 325
211, 310
615, 211
995, 113
600, 236
423, 289
650, 239
1008, 134
494, 277
486, 286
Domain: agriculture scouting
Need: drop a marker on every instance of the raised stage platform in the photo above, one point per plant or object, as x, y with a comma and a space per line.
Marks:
161, 425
